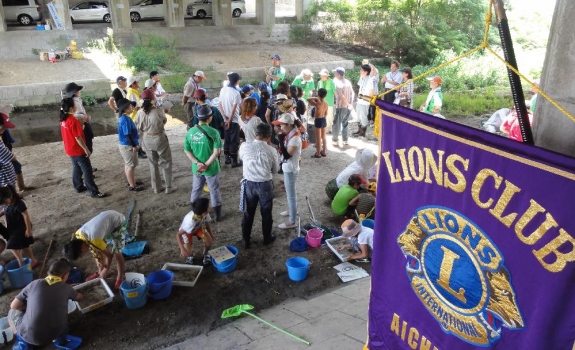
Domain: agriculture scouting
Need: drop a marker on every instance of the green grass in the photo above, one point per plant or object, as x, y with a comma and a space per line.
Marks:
153, 53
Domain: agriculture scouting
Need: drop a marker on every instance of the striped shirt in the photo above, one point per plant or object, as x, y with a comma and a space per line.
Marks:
7, 173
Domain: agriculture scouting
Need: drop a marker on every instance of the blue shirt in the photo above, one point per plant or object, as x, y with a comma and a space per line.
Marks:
127, 127
256, 95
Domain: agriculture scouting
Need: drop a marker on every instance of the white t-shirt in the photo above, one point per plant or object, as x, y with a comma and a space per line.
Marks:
365, 236
260, 161
365, 88
159, 89
249, 128
228, 98
190, 224
292, 165
102, 225
353, 168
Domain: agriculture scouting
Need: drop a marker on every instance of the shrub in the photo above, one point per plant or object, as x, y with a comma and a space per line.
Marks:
155, 52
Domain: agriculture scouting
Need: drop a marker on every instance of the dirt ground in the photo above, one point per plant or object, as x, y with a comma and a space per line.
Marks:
259, 279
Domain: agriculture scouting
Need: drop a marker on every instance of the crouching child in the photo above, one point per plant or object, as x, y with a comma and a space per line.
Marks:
196, 224
39, 314
360, 238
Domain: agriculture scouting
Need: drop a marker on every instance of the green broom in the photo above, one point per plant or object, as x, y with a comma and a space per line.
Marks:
239, 309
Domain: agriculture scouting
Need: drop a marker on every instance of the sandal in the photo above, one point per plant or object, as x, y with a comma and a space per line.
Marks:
285, 226
34, 263
316, 156
323, 154
138, 188
118, 284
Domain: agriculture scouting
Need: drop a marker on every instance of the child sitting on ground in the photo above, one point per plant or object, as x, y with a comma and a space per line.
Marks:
18, 230
361, 240
196, 224
39, 314
345, 200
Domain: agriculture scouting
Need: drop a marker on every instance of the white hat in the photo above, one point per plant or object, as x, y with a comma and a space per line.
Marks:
306, 72
149, 83
132, 80
285, 118
366, 158
199, 73
324, 72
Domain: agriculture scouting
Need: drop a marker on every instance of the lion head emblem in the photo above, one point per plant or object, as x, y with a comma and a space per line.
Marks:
410, 244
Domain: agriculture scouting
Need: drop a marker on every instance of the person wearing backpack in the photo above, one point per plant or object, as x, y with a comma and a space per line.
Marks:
290, 150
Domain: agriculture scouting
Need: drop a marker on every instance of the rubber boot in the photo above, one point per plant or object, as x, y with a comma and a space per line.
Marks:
20, 182
219, 213
235, 162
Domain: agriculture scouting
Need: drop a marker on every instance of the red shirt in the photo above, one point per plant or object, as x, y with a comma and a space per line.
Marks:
512, 124
70, 129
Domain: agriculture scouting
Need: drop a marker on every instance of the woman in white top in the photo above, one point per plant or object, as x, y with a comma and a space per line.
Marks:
249, 121
290, 149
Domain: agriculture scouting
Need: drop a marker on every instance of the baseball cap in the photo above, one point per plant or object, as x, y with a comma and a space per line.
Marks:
350, 228
121, 78
262, 86
234, 78
6, 122
324, 72
199, 73
147, 94
71, 89
285, 118
247, 88
339, 70
131, 80
436, 79
276, 57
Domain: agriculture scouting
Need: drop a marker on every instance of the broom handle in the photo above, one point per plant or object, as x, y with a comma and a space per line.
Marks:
277, 328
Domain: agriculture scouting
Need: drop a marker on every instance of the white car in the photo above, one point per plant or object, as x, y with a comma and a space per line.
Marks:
147, 9
90, 11
203, 8
24, 12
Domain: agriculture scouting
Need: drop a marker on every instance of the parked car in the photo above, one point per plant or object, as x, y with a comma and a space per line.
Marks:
91, 11
147, 9
203, 8
24, 12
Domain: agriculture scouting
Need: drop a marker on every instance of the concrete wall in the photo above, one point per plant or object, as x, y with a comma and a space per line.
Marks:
49, 93
552, 129
21, 43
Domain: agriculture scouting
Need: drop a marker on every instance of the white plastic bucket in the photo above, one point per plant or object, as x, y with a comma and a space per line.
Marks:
7, 334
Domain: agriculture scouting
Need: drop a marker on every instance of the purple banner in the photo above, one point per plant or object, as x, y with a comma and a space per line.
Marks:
474, 244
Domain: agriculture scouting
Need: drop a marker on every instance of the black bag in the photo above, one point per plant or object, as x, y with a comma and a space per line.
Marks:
404, 102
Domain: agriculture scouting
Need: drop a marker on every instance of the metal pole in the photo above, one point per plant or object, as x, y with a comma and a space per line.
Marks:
514, 79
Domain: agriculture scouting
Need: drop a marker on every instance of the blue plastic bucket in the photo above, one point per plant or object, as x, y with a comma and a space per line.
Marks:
160, 284
297, 268
228, 265
135, 298
19, 276
368, 223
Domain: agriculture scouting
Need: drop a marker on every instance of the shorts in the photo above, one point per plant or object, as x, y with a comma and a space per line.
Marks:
15, 317
118, 240
197, 233
320, 123
130, 157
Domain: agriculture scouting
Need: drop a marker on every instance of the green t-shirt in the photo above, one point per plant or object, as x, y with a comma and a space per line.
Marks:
342, 198
280, 72
202, 148
307, 86
329, 86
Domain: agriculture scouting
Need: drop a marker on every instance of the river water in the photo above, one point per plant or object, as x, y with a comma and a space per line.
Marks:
42, 125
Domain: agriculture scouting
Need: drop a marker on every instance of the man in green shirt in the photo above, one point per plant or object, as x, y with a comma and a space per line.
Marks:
202, 146
275, 74
346, 198
327, 83
305, 82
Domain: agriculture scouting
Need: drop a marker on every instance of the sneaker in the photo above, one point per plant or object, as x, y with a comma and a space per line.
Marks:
82, 189
99, 195
285, 226
363, 260
136, 189
189, 260
270, 239
207, 259
284, 213
345, 143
